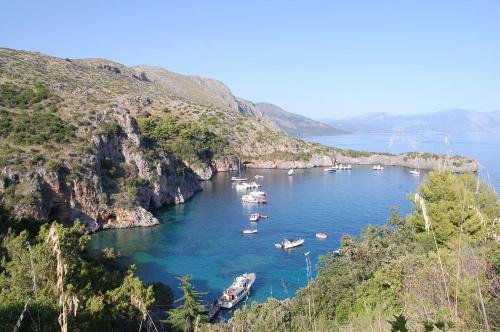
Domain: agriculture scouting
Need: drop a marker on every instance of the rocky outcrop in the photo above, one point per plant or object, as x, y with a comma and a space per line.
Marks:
455, 164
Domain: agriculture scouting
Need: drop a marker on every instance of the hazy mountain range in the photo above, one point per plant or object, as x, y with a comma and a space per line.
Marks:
449, 120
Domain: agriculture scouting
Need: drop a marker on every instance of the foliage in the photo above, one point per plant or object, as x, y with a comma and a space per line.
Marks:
14, 96
107, 299
187, 140
190, 312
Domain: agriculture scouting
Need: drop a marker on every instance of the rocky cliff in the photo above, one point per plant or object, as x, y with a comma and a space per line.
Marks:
104, 143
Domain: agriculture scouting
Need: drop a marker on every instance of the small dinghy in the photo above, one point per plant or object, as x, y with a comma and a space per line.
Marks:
289, 243
250, 231
237, 291
321, 236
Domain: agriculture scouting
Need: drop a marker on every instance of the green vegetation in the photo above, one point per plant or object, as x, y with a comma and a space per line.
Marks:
186, 139
14, 96
190, 313
45, 271
284, 155
403, 276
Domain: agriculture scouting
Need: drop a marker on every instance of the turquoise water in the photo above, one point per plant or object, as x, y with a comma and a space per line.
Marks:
204, 236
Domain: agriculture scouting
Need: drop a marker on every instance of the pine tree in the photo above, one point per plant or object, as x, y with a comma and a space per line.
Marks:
183, 317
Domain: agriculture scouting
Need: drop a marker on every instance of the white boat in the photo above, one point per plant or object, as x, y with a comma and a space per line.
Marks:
321, 236
348, 167
258, 193
254, 217
330, 169
415, 172
378, 167
237, 291
290, 171
250, 231
289, 243
246, 186
238, 179
259, 176
252, 199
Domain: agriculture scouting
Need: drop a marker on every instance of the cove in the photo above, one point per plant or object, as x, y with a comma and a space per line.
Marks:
203, 237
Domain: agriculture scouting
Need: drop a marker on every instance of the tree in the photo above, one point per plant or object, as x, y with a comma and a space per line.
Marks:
183, 317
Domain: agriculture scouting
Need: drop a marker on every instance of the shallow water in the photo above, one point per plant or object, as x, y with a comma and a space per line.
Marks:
204, 236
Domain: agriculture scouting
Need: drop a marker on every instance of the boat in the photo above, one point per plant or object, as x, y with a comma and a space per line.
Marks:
378, 167
254, 217
258, 193
238, 290
336, 253
238, 179
321, 236
289, 243
246, 186
415, 172
348, 167
290, 171
330, 169
250, 231
252, 199
259, 176
263, 216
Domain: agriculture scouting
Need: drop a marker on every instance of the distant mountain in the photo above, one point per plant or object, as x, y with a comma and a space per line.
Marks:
294, 124
450, 120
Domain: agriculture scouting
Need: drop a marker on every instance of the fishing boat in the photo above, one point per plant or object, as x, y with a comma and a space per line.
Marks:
378, 167
237, 291
254, 217
321, 236
289, 243
250, 231
259, 176
290, 171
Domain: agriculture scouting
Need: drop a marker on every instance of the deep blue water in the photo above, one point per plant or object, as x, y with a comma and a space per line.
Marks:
204, 236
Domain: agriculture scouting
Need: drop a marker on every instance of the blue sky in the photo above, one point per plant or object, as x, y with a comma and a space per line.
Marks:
317, 58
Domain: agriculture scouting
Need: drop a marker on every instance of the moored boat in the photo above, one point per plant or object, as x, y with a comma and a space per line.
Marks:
238, 179
250, 231
414, 172
254, 217
321, 236
258, 193
259, 176
289, 243
237, 291
252, 199
290, 171
330, 169
378, 167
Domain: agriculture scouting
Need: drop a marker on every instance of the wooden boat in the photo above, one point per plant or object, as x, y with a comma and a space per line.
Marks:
321, 236
250, 231
237, 291
289, 243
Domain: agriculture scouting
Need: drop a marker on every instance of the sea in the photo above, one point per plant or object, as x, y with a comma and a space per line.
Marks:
203, 237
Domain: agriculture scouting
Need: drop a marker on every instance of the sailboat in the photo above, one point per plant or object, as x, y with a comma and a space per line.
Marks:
238, 178
415, 171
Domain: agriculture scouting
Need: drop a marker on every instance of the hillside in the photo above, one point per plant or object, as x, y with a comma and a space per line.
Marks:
95, 140
450, 120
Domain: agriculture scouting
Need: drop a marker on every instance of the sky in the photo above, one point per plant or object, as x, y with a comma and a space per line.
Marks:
322, 59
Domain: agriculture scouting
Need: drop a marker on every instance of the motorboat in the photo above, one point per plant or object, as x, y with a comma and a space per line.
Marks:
238, 290
330, 169
246, 186
378, 167
348, 167
258, 193
252, 199
250, 231
321, 236
289, 243
415, 172
259, 176
290, 171
254, 217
